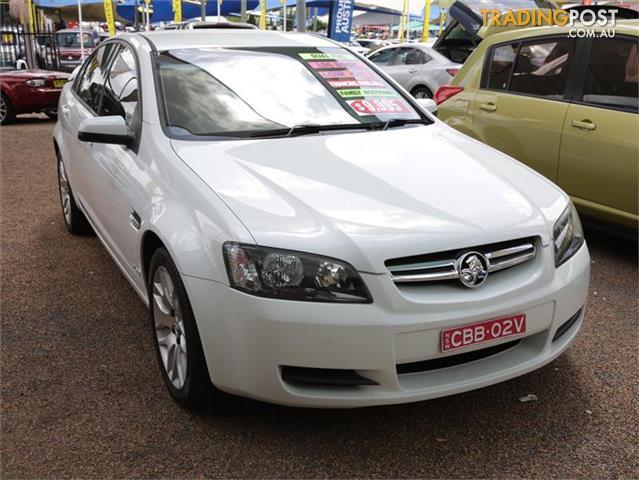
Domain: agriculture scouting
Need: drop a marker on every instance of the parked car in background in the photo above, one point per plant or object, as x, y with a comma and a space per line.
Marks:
566, 107
70, 49
372, 43
209, 23
416, 67
306, 233
28, 91
356, 47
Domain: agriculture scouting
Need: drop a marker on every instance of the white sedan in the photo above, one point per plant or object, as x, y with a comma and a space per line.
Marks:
416, 67
303, 231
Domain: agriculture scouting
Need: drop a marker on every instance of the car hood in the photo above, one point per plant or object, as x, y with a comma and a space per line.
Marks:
366, 197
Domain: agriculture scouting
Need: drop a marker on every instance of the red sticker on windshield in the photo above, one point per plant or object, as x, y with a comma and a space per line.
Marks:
373, 106
349, 65
335, 74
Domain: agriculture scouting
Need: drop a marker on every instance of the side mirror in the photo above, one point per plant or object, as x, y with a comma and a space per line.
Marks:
428, 104
21, 65
111, 129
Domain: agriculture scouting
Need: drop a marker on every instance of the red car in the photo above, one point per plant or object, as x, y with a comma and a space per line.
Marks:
69, 46
28, 91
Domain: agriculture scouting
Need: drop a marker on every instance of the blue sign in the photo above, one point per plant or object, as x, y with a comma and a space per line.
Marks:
341, 19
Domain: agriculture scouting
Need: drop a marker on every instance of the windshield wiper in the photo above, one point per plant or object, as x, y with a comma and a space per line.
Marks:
313, 128
396, 122
305, 129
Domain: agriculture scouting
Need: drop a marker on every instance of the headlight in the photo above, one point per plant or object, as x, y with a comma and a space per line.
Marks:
36, 82
567, 235
292, 275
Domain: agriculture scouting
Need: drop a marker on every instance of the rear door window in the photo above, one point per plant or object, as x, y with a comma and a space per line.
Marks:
538, 68
612, 74
541, 68
411, 56
501, 66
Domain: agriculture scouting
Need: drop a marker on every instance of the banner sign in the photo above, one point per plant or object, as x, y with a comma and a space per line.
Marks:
110, 17
263, 15
30, 18
177, 11
341, 20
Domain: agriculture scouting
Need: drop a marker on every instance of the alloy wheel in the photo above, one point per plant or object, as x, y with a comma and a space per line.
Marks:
65, 192
169, 327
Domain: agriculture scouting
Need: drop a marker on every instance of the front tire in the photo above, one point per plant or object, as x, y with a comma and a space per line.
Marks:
74, 220
177, 341
7, 114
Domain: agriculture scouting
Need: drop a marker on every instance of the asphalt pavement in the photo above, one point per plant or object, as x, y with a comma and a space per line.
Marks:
81, 395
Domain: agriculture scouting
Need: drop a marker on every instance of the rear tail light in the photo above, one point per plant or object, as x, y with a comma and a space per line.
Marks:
444, 92
452, 71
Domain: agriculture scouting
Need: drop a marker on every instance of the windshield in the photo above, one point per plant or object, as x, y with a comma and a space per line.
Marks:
72, 40
238, 91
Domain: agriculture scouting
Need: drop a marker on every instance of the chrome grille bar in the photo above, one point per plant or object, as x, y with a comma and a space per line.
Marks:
447, 269
509, 257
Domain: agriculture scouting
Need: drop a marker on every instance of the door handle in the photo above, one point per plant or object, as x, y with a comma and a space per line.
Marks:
488, 107
583, 125
413, 71
64, 109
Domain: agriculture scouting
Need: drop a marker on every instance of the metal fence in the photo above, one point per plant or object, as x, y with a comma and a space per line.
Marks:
20, 48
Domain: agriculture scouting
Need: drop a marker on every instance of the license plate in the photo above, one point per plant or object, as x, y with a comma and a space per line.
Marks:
59, 83
459, 337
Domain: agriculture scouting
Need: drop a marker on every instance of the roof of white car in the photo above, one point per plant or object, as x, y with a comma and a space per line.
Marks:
174, 39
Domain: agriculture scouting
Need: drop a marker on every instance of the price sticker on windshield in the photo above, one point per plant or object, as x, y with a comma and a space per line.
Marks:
374, 106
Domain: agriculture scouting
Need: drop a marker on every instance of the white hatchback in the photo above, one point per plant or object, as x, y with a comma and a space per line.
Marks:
303, 231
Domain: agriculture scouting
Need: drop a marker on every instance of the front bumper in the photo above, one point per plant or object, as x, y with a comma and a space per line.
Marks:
247, 340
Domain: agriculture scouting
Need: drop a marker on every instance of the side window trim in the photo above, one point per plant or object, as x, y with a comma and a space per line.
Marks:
513, 67
107, 70
569, 89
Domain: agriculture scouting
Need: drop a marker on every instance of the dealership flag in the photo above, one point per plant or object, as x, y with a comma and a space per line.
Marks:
341, 20
110, 18
177, 11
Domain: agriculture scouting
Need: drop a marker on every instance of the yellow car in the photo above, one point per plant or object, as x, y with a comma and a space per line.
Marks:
567, 107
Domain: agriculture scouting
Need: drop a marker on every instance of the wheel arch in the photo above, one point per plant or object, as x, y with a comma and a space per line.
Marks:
422, 85
149, 243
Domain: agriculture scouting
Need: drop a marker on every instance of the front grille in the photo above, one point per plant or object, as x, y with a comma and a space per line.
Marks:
443, 266
453, 360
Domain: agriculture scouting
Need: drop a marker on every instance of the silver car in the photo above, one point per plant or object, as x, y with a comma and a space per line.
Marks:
416, 67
